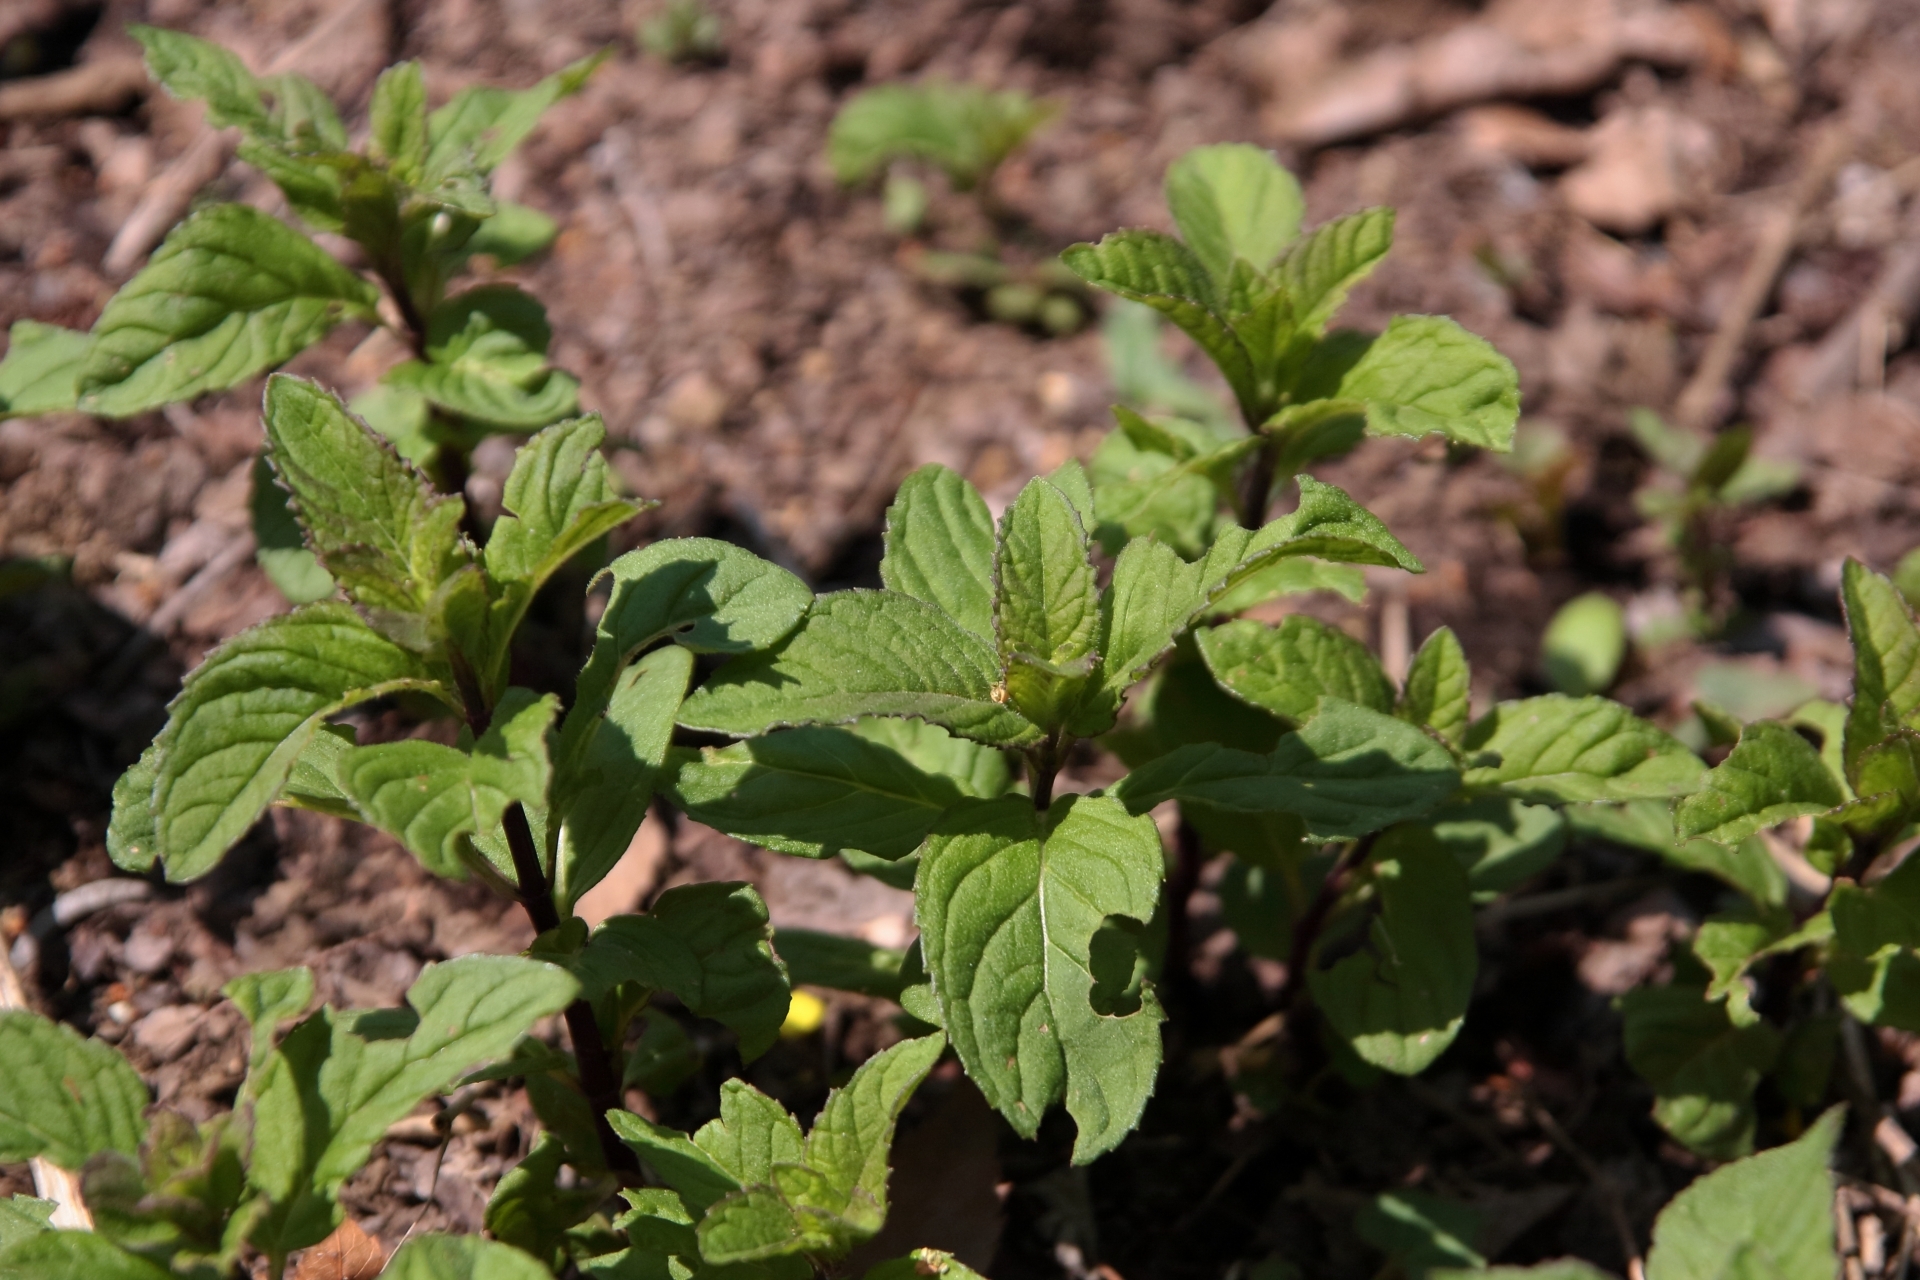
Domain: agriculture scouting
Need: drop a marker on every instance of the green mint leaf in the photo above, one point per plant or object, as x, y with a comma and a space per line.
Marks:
1046, 602
603, 795
23, 1217
817, 959
245, 715
231, 292
311, 785
481, 126
963, 129
1648, 825
530, 1211
658, 1220
740, 1149
1439, 687
76, 1255
1584, 644
1233, 201
398, 116
1140, 493
67, 1098
1886, 658
836, 1195
268, 1000
1558, 1269
1327, 524
41, 372
303, 114
488, 372
1286, 670
1772, 775
920, 1264
1500, 843
315, 182
558, 500
438, 1257
709, 944
1144, 376
1427, 374
515, 233
1729, 944
1872, 964
1155, 269
1418, 1231
1401, 999
976, 770
1887, 777
865, 653
1768, 1215
1702, 1066
404, 418
281, 544
813, 792
1556, 749
1349, 771
199, 70
435, 799
1015, 982
376, 524
132, 841
940, 547
334, 1085
1321, 267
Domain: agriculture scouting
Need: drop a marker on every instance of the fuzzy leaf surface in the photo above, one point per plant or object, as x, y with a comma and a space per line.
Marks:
1772, 774
1402, 998
481, 126
67, 1098
1009, 905
1886, 658
1286, 670
1557, 749
200, 70
1439, 687
1233, 200
245, 715
41, 372
1325, 264
864, 653
1046, 602
1427, 374
1349, 771
940, 547
1768, 1215
231, 292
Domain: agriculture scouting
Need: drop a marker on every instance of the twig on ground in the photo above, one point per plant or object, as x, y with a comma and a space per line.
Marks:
1701, 404
1892, 301
92, 88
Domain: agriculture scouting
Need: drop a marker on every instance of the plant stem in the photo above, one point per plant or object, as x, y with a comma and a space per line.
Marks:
597, 1078
1312, 921
1256, 490
1189, 858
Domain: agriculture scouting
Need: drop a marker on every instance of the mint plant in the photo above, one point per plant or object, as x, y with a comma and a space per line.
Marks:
234, 291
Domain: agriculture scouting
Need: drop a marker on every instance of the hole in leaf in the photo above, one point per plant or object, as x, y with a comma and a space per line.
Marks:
1117, 957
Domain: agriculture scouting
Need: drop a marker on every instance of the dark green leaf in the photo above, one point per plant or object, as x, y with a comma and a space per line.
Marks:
1439, 688
940, 547
231, 292
1703, 1067
67, 1098
1500, 843
845, 964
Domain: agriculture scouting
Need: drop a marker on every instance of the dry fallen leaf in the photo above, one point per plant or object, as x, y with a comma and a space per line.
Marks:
348, 1254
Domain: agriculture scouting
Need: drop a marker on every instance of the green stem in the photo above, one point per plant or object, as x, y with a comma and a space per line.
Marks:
1256, 489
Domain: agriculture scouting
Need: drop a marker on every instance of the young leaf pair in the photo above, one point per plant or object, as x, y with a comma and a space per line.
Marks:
1256, 297
169, 1197
1850, 775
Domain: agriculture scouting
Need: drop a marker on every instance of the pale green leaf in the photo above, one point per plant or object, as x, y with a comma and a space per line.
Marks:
195, 69
813, 792
940, 547
1400, 1000
1046, 602
438, 1257
280, 543
247, 712
132, 840
1349, 771
482, 126
1322, 266
1886, 658
1008, 905
398, 118
1141, 493
964, 129
1233, 200
1556, 749
41, 372
24, 1216
1768, 1215
75, 1255
1584, 644
487, 361
67, 1098
1286, 670
1418, 1231
1773, 774
513, 234
865, 653
602, 797
709, 944
1439, 687
740, 1148
231, 292
1703, 1067
267, 1000
435, 799
375, 522
1427, 374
